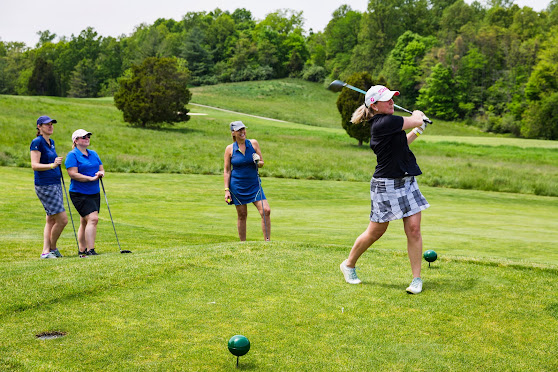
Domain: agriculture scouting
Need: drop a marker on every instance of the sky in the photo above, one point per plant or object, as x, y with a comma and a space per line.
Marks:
20, 20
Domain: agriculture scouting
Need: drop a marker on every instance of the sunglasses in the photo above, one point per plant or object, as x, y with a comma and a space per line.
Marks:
86, 136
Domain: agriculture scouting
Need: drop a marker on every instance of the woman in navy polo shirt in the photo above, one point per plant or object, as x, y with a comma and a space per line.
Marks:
394, 190
85, 168
45, 162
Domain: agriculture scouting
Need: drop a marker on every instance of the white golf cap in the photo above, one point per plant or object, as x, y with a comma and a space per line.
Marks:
237, 125
79, 133
378, 93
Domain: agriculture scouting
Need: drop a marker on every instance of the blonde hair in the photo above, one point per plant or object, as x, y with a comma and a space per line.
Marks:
362, 114
233, 136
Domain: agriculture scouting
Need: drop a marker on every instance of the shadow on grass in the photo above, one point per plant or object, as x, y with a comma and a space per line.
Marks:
444, 285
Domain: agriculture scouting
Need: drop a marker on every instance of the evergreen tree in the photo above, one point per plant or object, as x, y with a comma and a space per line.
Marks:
154, 93
349, 100
42, 81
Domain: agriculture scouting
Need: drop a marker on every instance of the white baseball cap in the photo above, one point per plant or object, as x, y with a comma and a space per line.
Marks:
378, 93
237, 125
80, 133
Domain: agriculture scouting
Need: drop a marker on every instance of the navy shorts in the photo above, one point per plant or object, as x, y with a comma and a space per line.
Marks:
51, 197
395, 198
86, 204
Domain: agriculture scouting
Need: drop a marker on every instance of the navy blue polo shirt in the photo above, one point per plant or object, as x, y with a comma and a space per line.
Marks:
48, 155
87, 165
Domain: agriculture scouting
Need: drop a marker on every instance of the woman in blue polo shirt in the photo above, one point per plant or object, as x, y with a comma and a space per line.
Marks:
85, 168
45, 162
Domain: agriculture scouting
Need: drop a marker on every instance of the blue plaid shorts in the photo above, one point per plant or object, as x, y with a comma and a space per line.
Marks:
51, 197
395, 198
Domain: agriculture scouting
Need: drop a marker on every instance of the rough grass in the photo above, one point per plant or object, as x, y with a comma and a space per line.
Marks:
291, 150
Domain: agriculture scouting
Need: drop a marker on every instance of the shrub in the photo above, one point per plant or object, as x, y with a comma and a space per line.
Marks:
154, 93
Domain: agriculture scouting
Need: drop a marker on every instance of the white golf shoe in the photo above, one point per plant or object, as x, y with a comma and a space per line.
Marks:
349, 273
415, 287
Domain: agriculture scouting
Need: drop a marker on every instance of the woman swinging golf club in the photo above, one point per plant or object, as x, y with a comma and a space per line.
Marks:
242, 160
45, 163
85, 169
393, 189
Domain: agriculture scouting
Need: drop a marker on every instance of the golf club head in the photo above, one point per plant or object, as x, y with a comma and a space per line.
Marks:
125, 251
336, 86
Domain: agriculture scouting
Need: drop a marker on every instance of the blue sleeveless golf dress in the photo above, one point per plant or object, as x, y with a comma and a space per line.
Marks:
244, 185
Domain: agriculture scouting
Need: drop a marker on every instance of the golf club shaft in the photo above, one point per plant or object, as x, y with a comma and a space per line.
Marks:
69, 209
394, 105
110, 214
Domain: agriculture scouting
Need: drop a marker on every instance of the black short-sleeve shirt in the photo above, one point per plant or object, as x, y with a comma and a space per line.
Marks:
389, 142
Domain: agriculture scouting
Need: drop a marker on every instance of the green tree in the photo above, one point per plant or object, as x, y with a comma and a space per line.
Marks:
349, 100
154, 93
544, 78
402, 67
196, 53
341, 37
540, 120
437, 96
83, 82
42, 81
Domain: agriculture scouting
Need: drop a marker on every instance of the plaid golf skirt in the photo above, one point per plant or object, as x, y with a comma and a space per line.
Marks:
395, 198
51, 197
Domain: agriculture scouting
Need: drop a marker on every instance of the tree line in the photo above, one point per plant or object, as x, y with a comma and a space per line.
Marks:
493, 65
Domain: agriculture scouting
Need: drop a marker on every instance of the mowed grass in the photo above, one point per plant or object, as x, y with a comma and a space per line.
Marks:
489, 301
291, 150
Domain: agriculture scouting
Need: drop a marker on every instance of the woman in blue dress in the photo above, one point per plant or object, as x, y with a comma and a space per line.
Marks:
242, 184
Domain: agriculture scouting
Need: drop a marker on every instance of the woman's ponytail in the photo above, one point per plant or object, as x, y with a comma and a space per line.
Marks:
361, 114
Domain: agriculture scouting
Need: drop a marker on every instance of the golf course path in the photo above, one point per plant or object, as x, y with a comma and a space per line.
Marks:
236, 112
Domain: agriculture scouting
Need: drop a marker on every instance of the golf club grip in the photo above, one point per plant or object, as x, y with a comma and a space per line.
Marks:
410, 112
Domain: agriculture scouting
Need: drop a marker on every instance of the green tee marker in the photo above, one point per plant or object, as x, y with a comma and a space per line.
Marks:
239, 346
430, 256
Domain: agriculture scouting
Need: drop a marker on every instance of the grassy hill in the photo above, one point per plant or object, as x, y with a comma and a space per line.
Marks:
466, 159
488, 303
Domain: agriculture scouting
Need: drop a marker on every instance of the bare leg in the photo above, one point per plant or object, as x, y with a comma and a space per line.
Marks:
414, 242
374, 232
46, 234
266, 222
242, 212
91, 229
60, 221
81, 234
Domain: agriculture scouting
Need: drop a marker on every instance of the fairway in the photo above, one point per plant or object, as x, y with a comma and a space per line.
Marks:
189, 285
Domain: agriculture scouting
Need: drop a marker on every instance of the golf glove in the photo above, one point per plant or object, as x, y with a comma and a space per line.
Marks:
418, 130
256, 158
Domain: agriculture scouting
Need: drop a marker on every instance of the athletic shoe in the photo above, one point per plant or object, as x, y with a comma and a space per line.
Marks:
56, 252
48, 255
91, 252
349, 273
415, 287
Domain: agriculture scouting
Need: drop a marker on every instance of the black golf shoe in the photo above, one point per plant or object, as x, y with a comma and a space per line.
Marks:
92, 252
